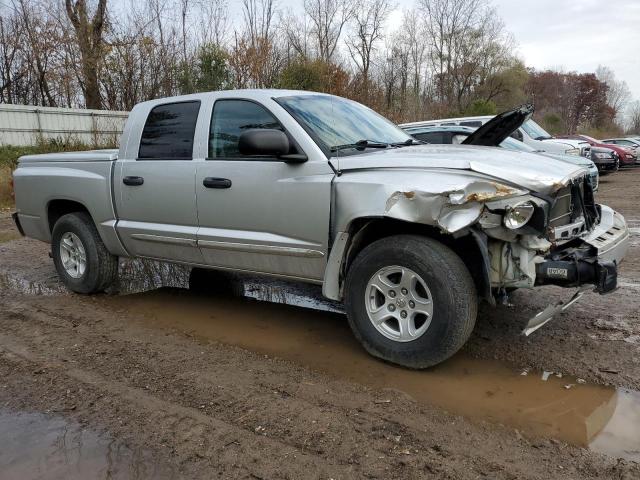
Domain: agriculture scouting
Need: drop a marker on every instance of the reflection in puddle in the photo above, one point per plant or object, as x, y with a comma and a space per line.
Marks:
136, 275
139, 275
44, 447
621, 435
27, 287
474, 388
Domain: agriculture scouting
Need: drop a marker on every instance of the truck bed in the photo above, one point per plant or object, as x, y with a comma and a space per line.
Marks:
50, 183
109, 155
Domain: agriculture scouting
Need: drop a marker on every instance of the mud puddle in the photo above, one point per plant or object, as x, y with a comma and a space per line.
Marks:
18, 284
38, 446
561, 407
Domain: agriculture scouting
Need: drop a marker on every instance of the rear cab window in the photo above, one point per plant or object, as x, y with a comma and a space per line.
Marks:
169, 131
471, 123
432, 137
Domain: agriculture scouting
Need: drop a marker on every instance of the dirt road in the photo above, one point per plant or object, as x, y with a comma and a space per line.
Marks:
176, 383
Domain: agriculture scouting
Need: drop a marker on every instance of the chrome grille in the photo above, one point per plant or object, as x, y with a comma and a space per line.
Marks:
560, 213
573, 211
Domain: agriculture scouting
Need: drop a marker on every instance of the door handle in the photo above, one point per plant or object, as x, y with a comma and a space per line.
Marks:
213, 182
133, 181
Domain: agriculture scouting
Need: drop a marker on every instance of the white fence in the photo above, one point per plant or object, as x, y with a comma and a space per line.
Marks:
26, 125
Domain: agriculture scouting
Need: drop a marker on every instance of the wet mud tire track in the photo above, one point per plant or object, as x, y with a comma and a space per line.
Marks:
208, 409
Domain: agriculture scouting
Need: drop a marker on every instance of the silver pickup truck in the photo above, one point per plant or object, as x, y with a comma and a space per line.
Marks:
320, 189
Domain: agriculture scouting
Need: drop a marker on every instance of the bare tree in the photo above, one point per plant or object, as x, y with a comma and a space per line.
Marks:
13, 71
618, 94
328, 19
258, 17
633, 123
413, 39
89, 34
369, 20
213, 22
256, 57
467, 45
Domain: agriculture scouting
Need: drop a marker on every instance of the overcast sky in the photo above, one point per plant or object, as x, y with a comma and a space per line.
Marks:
577, 35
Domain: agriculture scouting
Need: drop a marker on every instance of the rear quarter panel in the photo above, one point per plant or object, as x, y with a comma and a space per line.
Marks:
37, 184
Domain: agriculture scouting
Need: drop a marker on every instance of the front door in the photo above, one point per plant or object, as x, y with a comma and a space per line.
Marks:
260, 214
155, 191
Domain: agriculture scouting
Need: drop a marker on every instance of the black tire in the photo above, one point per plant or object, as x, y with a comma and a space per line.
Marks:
455, 302
101, 267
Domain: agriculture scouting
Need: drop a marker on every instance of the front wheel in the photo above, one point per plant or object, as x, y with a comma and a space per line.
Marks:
83, 262
410, 300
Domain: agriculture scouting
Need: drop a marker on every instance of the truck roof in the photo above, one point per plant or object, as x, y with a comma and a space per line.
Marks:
257, 94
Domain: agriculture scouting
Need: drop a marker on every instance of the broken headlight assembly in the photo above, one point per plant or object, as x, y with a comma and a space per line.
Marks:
518, 215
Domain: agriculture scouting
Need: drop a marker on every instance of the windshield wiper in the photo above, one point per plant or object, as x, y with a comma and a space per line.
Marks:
407, 142
360, 145
543, 137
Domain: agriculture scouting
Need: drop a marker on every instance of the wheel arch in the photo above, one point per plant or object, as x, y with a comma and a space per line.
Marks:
469, 244
58, 207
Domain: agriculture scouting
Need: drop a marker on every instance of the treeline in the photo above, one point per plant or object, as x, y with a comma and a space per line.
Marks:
447, 57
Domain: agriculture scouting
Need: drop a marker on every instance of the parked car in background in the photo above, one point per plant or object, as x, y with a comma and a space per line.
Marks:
625, 142
627, 156
605, 159
529, 132
497, 133
320, 189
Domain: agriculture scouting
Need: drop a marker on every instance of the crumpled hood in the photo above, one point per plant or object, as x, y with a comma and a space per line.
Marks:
534, 172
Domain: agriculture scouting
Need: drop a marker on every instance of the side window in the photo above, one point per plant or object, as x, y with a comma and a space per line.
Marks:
168, 132
430, 137
232, 117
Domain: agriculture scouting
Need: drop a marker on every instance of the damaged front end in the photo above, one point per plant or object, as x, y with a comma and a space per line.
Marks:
570, 241
526, 238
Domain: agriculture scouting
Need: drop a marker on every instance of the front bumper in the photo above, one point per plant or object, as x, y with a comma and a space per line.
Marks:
594, 259
629, 160
609, 165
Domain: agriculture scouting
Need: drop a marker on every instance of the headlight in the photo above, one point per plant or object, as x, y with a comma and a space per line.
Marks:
518, 215
572, 151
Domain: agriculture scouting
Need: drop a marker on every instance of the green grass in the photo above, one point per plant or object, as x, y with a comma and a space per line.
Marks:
6, 192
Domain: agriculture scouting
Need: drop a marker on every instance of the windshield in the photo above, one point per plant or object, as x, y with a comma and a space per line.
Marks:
512, 144
535, 131
335, 122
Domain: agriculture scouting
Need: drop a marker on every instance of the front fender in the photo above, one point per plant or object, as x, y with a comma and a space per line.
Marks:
448, 200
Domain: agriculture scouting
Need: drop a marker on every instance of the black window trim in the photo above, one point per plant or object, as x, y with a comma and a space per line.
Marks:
250, 158
185, 159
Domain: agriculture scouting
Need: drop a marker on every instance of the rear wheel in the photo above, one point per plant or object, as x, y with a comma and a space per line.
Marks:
83, 262
410, 300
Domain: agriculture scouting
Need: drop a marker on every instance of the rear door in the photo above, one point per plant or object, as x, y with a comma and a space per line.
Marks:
261, 214
155, 186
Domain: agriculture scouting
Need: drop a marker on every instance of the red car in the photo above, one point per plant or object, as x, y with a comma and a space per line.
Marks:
627, 156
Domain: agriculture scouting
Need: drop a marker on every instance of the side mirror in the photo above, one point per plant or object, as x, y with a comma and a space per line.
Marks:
263, 141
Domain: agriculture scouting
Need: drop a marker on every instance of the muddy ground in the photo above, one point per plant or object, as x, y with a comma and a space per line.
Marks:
175, 383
